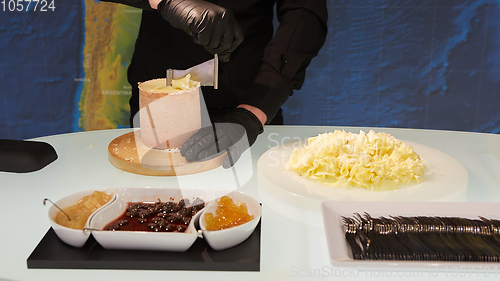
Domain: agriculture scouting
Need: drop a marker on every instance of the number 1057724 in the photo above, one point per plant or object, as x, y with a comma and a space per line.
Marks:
27, 5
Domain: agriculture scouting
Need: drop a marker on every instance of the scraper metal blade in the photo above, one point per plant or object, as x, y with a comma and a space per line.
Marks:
206, 73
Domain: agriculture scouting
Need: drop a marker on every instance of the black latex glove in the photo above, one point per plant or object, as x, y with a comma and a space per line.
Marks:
211, 26
226, 134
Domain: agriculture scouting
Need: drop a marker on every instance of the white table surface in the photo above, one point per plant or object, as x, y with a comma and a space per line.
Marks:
293, 242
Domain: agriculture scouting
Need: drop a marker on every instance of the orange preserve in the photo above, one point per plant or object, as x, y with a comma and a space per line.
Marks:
80, 212
227, 215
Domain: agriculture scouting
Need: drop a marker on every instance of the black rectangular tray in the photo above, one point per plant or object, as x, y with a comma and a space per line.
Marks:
52, 253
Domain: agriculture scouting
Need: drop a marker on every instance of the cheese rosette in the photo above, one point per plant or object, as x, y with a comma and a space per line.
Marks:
374, 161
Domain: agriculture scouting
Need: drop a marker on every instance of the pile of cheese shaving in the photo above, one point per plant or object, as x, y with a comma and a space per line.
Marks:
374, 161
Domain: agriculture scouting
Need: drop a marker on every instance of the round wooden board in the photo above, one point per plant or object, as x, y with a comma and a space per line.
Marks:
134, 157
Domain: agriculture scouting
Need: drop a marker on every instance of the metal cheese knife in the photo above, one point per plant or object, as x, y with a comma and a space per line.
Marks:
206, 73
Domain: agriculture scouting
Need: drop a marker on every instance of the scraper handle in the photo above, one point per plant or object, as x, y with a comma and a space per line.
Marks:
170, 75
216, 71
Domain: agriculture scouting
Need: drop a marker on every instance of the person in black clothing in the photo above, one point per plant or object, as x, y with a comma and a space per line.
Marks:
258, 70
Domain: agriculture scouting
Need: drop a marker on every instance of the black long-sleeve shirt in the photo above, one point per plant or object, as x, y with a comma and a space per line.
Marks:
263, 71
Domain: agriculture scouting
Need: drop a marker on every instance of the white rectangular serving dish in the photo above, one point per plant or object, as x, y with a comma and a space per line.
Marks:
340, 253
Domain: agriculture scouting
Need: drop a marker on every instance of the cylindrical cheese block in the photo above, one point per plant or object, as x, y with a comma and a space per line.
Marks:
169, 115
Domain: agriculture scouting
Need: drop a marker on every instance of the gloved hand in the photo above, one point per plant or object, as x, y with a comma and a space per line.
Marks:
229, 132
211, 26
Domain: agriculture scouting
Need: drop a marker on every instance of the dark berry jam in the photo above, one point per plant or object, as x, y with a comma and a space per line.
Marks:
157, 217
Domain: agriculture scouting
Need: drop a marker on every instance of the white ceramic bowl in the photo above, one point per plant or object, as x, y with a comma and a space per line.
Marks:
70, 236
230, 237
141, 240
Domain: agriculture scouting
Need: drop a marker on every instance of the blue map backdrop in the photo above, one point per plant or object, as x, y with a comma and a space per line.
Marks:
432, 64
40, 62
417, 64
